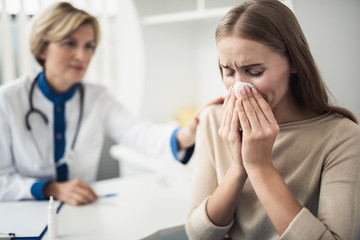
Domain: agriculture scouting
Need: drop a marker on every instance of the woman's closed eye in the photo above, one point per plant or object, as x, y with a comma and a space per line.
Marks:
229, 73
254, 74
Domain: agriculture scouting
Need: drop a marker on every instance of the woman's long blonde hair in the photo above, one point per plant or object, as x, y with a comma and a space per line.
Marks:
56, 23
273, 24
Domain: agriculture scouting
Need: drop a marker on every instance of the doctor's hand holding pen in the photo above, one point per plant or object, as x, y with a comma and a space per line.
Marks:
74, 192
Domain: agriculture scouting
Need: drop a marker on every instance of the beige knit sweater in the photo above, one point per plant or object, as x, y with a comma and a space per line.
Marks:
319, 160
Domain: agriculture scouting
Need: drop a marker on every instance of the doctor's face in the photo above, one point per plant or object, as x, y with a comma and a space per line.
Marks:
244, 60
66, 61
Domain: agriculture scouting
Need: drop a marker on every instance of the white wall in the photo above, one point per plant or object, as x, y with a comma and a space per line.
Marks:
332, 28
181, 68
210, 84
170, 82
181, 58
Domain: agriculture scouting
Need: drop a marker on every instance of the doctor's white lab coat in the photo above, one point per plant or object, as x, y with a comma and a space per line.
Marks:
21, 163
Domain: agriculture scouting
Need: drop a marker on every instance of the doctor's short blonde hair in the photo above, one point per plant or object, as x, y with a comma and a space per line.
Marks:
56, 23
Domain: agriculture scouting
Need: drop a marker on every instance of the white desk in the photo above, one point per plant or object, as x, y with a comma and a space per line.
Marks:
144, 205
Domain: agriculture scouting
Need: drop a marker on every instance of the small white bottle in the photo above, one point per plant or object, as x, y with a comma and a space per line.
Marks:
53, 231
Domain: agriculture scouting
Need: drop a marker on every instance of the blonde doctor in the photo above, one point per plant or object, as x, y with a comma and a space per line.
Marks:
53, 125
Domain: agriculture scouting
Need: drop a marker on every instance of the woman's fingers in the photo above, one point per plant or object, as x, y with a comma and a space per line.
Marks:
230, 111
255, 105
226, 114
86, 192
227, 98
77, 199
249, 110
265, 108
244, 121
259, 133
75, 192
234, 125
229, 128
257, 110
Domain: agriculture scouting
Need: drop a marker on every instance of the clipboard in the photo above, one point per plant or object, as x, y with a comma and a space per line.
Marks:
173, 233
25, 219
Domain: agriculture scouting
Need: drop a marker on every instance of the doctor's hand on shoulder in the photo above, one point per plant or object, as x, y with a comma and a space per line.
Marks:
186, 135
74, 192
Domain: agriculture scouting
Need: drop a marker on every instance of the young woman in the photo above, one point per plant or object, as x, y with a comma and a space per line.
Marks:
53, 125
280, 161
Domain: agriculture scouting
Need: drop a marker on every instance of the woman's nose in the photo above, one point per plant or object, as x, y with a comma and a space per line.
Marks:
80, 54
242, 77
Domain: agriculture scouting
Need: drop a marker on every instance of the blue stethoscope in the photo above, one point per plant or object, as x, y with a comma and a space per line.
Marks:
34, 110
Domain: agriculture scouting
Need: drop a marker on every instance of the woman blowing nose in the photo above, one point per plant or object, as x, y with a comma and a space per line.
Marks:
279, 162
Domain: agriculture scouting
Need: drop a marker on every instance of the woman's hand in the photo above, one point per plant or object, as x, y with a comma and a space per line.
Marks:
74, 192
259, 128
222, 204
259, 133
229, 129
186, 135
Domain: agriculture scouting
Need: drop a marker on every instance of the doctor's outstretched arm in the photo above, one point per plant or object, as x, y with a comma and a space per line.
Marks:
152, 139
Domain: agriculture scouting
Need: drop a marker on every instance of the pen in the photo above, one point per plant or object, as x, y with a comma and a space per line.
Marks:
108, 195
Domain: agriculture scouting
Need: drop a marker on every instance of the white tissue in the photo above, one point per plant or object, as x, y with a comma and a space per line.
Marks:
239, 85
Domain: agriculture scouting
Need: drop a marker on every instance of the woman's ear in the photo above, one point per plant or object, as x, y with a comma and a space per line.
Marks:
293, 70
43, 52
42, 55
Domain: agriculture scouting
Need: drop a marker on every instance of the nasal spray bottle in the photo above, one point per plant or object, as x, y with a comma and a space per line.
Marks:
53, 231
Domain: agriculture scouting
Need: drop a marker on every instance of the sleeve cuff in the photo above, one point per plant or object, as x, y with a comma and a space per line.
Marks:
304, 226
199, 226
174, 148
37, 189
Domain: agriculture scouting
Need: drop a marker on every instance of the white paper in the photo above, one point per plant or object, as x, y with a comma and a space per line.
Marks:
24, 218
